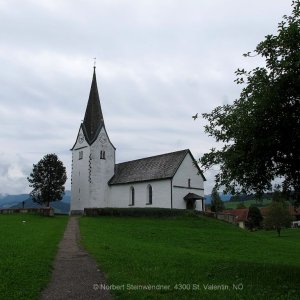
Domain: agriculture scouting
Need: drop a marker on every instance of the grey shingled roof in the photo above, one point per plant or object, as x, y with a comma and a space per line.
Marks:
192, 196
93, 118
150, 168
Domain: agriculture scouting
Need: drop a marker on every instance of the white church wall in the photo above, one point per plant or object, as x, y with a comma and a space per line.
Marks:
120, 195
199, 205
181, 186
80, 170
102, 163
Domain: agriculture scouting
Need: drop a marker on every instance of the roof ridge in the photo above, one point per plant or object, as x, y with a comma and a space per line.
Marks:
173, 152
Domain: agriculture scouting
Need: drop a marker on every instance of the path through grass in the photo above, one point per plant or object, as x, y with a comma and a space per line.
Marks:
27, 249
192, 258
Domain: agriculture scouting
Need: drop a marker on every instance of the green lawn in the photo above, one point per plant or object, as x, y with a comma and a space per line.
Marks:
186, 254
27, 250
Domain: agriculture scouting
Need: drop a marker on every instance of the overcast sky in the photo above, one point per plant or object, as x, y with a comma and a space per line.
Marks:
158, 63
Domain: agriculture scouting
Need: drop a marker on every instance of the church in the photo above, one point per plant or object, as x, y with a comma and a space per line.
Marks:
170, 180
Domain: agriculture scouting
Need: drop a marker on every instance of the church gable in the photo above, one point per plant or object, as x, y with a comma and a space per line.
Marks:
188, 173
102, 147
81, 141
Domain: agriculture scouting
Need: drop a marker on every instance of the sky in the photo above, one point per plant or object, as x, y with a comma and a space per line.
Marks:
158, 63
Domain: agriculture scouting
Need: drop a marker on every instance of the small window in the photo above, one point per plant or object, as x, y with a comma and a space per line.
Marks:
131, 196
80, 154
149, 192
102, 154
189, 182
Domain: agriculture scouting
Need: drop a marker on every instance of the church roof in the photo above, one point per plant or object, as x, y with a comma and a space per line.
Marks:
162, 166
93, 118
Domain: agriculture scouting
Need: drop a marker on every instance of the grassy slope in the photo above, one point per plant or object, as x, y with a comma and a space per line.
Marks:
27, 250
200, 251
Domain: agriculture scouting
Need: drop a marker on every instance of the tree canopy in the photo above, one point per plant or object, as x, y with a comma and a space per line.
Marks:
47, 179
260, 131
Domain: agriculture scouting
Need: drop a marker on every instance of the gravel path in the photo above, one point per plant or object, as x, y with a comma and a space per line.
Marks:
75, 275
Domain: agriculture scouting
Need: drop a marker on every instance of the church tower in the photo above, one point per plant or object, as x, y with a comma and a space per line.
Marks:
93, 158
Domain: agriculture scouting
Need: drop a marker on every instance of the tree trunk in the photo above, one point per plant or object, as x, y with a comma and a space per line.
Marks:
278, 230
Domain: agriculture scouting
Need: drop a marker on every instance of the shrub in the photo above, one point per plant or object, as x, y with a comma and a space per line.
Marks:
138, 212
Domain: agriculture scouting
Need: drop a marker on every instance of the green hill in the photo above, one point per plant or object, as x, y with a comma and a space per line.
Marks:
192, 258
247, 203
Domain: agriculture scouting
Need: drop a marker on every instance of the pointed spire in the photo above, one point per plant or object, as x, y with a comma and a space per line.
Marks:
93, 118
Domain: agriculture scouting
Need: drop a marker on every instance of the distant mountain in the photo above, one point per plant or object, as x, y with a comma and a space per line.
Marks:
224, 197
59, 207
15, 201
10, 200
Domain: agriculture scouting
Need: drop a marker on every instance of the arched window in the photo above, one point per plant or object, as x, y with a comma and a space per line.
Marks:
102, 154
131, 196
149, 196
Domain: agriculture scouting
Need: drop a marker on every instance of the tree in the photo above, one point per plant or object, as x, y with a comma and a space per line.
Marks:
278, 196
47, 179
216, 202
260, 130
254, 217
235, 198
240, 205
277, 217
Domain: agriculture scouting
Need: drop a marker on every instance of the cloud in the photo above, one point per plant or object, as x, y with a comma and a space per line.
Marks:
158, 63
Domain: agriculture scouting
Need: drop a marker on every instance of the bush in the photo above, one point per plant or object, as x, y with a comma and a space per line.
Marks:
240, 205
138, 212
254, 218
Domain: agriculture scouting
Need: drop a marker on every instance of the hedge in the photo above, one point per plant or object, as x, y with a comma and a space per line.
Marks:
138, 212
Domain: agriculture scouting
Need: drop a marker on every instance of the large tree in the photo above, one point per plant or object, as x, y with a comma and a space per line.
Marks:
260, 131
47, 179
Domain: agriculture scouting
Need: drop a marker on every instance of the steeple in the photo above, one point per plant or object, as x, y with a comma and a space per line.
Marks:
93, 118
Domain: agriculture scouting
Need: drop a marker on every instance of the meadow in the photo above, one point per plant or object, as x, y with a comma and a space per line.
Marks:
247, 203
192, 258
27, 250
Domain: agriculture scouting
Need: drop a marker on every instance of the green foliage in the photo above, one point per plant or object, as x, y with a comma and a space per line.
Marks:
234, 198
247, 203
192, 250
254, 218
260, 130
27, 250
47, 179
216, 202
138, 212
277, 217
278, 196
240, 205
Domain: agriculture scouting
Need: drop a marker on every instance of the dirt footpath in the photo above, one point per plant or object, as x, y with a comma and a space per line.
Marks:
75, 275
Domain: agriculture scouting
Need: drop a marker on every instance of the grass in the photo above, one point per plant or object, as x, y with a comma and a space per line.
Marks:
27, 250
247, 203
186, 254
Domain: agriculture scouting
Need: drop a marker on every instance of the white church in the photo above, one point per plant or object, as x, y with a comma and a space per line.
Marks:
170, 180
